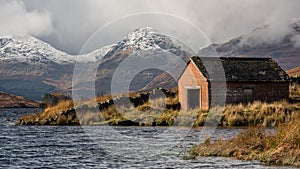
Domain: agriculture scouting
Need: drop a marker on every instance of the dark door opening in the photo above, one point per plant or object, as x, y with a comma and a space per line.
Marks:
193, 98
248, 95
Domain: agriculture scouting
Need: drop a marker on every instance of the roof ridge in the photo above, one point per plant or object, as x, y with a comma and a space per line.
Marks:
235, 57
242, 69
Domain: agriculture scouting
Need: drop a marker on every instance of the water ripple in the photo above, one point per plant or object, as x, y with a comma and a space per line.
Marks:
72, 147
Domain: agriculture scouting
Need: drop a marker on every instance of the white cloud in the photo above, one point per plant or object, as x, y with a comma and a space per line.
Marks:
296, 40
75, 20
17, 20
270, 33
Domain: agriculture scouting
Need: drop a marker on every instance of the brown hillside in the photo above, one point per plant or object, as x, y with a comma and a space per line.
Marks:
13, 101
294, 72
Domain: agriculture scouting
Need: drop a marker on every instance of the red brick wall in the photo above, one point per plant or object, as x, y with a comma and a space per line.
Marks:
263, 91
192, 77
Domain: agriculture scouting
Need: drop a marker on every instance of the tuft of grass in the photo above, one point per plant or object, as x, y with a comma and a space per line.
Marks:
155, 113
259, 113
164, 112
283, 148
60, 114
294, 91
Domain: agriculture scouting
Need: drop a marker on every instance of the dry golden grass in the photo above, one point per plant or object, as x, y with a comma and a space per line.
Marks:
154, 113
294, 91
283, 148
48, 113
259, 113
104, 98
61, 106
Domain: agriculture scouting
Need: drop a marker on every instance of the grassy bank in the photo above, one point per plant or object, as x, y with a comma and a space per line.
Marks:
294, 92
260, 114
153, 114
61, 114
164, 112
141, 113
282, 148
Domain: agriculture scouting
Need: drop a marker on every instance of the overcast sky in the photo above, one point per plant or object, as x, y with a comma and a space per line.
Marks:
67, 24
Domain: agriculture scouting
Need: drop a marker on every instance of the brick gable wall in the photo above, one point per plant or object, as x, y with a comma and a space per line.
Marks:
192, 77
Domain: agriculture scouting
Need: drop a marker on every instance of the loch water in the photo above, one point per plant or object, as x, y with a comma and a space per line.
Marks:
106, 146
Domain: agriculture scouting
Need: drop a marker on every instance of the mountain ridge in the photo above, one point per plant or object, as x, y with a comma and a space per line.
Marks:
285, 50
40, 62
27, 58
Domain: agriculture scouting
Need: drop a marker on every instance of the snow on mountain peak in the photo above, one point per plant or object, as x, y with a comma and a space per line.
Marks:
141, 39
140, 33
148, 38
31, 50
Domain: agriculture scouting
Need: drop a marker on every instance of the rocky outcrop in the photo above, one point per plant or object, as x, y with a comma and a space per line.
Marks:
13, 101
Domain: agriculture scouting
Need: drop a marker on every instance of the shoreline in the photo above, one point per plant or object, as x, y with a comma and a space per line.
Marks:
256, 114
19, 108
162, 112
279, 148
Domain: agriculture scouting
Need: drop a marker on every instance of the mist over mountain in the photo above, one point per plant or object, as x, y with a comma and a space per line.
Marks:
30, 67
283, 46
148, 43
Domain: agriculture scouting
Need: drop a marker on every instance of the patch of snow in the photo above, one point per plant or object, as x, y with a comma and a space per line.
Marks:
31, 50
34, 51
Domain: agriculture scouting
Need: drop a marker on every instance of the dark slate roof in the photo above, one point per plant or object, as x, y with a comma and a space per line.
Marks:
240, 69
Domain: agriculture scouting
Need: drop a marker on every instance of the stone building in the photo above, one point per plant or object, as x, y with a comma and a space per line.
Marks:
246, 79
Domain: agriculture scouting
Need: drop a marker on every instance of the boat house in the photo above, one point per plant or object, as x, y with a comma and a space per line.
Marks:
246, 79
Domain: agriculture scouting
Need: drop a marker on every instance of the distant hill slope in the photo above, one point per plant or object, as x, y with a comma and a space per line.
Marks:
284, 48
294, 72
13, 101
147, 41
30, 67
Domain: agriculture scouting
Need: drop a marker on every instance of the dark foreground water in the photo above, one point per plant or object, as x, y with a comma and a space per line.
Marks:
104, 146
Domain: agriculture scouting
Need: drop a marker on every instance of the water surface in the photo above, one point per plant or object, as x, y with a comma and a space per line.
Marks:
97, 147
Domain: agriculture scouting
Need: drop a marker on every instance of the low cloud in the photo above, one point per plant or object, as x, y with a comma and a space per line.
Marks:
268, 34
74, 21
17, 20
274, 32
296, 40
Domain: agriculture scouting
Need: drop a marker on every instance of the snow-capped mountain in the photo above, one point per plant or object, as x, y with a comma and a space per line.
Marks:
27, 61
148, 43
31, 50
31, 61
262, 42
31, 67
149, 39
